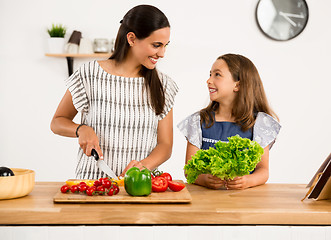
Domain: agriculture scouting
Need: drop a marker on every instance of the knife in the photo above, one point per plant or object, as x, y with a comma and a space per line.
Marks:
102, 165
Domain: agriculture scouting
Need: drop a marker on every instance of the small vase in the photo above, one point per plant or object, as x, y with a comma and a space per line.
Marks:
55, 45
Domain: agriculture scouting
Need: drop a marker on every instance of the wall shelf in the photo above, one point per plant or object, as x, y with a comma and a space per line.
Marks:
70, 57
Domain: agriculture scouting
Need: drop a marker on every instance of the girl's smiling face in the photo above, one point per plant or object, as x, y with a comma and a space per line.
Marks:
149, 50
221, 85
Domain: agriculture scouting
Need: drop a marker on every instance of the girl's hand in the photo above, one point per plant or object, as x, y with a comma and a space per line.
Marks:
210, 181
133, 163
238, 183
88, 140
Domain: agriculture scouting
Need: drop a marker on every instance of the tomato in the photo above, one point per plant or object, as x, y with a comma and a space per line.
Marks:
176, 186
116, 189
110, 192
74, 189
159, 184
103, 181
90, 191
82, 187
101, 190
97, 183
106, 183
167, 176
65, 189
82, 183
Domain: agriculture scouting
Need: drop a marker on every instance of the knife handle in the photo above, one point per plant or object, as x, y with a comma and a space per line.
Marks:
95, 154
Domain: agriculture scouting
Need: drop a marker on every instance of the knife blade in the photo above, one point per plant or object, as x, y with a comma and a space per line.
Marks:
102, 165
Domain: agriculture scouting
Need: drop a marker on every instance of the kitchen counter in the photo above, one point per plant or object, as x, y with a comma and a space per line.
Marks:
269, 204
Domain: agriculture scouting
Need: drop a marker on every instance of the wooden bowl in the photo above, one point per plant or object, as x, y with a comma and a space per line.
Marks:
17, 186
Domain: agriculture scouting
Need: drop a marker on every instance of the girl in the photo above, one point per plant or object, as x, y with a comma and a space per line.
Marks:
238, 107
125, 103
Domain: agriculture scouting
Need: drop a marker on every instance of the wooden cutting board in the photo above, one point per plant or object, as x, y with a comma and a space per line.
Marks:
168, 196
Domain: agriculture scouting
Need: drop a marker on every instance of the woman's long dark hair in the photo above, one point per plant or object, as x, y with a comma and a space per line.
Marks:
142, 20
251, 97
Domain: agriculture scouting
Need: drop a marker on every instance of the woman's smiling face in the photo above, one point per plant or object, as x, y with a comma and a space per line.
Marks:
149, 50
221, 84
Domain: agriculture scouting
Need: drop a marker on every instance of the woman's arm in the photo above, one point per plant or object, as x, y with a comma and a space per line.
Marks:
163, 149
63, 125
206, 180
258, 177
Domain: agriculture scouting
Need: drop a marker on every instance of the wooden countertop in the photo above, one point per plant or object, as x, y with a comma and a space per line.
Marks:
274, 204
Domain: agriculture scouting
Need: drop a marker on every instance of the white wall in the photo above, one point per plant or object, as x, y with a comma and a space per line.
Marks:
295, 76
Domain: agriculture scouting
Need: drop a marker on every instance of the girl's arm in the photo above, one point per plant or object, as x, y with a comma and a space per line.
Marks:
258, 177
63, 125
163, 149
206, 180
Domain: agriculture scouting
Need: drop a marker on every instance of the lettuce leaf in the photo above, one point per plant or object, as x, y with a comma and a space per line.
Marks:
227, 160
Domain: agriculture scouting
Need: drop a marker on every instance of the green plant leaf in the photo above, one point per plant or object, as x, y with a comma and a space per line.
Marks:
227, 160
57, 30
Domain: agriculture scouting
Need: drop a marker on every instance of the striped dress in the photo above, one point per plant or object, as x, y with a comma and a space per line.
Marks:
118, 110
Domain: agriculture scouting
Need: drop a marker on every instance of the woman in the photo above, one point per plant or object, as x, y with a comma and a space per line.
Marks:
125, 103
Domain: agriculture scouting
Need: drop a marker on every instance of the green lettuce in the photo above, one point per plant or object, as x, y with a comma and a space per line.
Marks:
227, 160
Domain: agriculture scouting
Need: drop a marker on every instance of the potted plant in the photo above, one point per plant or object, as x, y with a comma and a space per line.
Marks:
56, 40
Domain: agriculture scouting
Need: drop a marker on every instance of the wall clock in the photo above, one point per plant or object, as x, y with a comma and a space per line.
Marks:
282, 19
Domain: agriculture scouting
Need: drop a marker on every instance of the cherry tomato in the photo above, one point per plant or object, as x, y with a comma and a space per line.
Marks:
82, 184
103, 180
90, 191
82, 188
74, 189
110, 192
101, 190
159, 184
65, 189
94, 188
106, 183
176, 186
116, 189
167, 176
97, 183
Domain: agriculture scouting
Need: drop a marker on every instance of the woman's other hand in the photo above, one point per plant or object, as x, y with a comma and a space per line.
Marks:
133, 163
88, 140
210, 181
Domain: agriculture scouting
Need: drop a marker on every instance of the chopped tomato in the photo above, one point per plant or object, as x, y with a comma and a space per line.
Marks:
176, 186
159, 184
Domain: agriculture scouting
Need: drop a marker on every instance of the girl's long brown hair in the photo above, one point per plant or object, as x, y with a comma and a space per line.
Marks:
250, 99
142, 20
